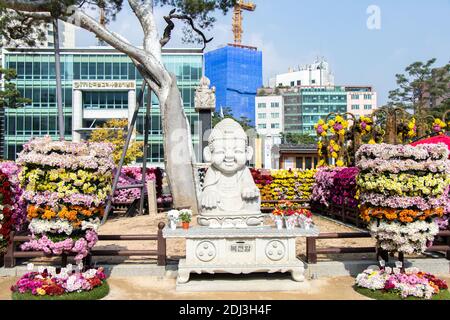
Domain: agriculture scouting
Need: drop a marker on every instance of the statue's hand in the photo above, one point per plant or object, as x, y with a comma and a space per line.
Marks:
209, 199
250, 193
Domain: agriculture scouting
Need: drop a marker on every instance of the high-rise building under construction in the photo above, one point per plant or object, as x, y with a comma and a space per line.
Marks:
236, 72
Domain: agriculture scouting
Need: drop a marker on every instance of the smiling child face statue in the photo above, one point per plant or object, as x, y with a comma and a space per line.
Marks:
228, 151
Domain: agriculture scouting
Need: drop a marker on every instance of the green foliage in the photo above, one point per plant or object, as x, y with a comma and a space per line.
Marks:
115, 131
199, 10
95, 294
9, 95
379, 295
228, 114
15, 25
298, 138
420, 84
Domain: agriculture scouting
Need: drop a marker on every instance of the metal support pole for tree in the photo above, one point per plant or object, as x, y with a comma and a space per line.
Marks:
140, 100
144, 160
58, 80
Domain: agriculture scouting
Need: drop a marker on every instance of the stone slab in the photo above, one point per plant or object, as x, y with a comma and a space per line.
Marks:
120, 271
255, 232
239, 283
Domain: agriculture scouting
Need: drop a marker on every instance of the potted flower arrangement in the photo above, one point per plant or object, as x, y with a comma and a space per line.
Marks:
395, 284
278, 218
174, 217
186, 218
48, 283
304, 218
290, 218
290, 213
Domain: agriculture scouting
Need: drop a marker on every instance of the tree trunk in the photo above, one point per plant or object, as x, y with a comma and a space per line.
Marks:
178, 148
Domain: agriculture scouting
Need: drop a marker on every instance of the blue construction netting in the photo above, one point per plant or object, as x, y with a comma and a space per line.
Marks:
236, 73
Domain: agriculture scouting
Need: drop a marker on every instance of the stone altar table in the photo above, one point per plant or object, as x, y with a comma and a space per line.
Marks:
240, 251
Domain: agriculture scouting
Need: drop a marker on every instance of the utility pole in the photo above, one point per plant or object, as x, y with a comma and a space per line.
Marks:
58, 80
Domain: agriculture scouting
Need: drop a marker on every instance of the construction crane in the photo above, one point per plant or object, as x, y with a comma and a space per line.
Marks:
237, 19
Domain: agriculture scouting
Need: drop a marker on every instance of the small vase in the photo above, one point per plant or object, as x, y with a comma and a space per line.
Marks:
279, 223
173, 225
185, 225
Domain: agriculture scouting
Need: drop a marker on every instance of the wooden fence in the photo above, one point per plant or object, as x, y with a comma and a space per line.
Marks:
340, 213
312, 251
13, 254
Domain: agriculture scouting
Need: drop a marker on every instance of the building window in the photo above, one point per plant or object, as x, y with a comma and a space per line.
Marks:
292, 83
274, 105
275, 126
355, 96
262, 116
368, 107
313, 81
299, 83
299, 163
368, 97
262, 126
275, 115
261, 105
355, 107
308, 163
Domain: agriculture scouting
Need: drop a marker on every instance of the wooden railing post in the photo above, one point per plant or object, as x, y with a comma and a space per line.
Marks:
161, 245
382, 254
447, 255
311, 250
64, 260
343, 213
10, 261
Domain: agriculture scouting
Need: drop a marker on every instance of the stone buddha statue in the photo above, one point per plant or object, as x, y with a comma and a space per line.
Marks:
230, 198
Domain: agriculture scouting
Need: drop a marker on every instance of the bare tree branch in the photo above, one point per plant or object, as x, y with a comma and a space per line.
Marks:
171, 26
144, 12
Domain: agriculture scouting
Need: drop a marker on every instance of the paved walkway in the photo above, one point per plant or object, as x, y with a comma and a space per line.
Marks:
153, 288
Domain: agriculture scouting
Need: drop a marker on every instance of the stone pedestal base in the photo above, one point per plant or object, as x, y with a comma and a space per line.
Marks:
240, 251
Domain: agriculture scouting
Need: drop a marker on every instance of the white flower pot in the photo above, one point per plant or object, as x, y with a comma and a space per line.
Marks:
290, 223
279, 223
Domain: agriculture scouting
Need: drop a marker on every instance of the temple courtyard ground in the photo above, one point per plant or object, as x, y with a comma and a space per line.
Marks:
157, 287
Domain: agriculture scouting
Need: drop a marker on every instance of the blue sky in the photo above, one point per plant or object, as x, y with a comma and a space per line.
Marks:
294, 32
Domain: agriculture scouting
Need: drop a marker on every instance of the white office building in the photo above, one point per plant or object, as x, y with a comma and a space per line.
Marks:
315, 74
361, 101
269, 124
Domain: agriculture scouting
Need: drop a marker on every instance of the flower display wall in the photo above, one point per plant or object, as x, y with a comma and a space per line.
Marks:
19, 206
66, 186
6, 204
335, 186
344, 187
402, 193
133, 176
323, 185
284, 184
